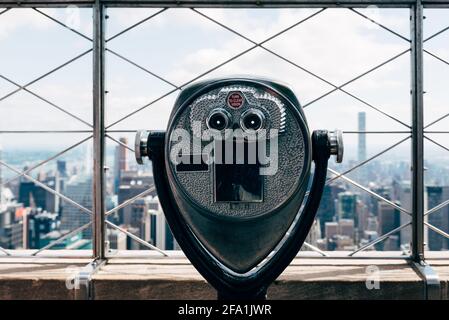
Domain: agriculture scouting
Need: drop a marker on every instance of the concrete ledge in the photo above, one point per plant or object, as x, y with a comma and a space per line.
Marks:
150, 276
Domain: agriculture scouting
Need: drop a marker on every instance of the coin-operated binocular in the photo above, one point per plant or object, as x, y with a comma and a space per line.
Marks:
231, 172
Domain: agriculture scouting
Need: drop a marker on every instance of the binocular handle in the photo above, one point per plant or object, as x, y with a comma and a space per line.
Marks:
147, 143
336, 144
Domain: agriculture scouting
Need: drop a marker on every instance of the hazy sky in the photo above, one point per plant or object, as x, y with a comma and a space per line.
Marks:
179, 44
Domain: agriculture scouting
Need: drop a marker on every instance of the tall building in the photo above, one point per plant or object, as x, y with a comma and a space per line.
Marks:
331, 229
39, 224
383, 191
361, 220
158, 231
347, 205
314, 234
13, 233
121, 241
327, 211
440, 219
151, 218
32, 195
404, 197
11, 224
363, 173
61, 167
120, 162
164, 237
362, 137
346, 228
79, 189
340, 235
388, 218
131, 184
148, 223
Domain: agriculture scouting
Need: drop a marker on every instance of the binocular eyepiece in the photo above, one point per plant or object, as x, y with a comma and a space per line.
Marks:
231, 171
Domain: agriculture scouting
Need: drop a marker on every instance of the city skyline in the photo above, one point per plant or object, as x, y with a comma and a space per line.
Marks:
349, 218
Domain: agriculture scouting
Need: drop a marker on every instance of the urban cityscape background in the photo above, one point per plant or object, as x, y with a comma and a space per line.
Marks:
349, 217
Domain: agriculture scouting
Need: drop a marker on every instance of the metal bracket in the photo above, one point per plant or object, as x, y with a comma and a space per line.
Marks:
432, 289
83, 280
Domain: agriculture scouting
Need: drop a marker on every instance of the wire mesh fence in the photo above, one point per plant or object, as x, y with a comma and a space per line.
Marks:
353, 73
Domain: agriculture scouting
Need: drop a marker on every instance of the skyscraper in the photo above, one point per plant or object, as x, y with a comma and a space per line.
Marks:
389, 219
347, 205
61, 167
326, 211
404, 197
131, 184
440, 219
362, 137
79, 189
120, 162
33, 195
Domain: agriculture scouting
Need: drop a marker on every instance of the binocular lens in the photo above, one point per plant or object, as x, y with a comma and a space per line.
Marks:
218, 120
252, 120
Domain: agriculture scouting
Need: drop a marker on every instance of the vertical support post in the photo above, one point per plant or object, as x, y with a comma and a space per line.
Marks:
99, 131
417, 92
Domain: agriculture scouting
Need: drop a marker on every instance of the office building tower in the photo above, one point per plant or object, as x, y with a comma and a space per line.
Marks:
347, 205
146, 221
131, 184
362, 217
388, 219
362, 137
383, 191
34, 196
362, 173
331, 229
12, 236
405, 200
391, 243
314, 234
440, 219
39, 224
372, 224
326, 211
120, 162
164, 237
346, 228
79, 189
11, 224
340, 234
61, 168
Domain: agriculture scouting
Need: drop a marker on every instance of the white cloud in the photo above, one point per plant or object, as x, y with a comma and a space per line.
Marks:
336, 44
16, 19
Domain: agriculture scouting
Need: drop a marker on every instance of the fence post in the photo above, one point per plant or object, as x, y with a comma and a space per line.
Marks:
99, 131
417, 92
